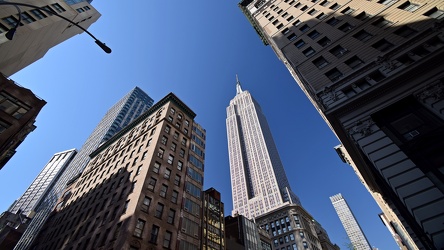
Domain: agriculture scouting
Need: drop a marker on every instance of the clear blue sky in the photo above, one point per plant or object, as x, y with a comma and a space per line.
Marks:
194, 49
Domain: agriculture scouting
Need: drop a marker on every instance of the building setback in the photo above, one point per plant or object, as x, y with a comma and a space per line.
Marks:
142, 188
19, 108
373, 70
131, 106
351, 225
41, 30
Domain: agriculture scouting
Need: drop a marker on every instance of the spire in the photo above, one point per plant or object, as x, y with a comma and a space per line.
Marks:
238, 86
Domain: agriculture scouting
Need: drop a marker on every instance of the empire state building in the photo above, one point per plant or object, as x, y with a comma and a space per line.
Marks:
258, 180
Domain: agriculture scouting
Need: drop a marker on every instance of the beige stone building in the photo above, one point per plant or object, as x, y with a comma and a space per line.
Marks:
374, 71
40, 30
142, 188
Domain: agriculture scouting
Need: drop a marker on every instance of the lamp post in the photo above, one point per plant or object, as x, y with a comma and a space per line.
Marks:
10, 34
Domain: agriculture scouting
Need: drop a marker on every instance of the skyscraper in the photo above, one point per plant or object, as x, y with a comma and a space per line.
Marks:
351, 225
258, 179
43, 182
120, 115
260, 187
40, 30
373, 70
142, 188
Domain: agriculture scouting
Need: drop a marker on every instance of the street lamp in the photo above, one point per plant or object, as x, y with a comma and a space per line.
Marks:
10, 34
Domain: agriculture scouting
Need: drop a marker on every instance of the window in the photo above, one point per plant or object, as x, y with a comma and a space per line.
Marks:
383, 45
271, 18
173, 146
57, 7
160, 153
170, 118
170, 159
363, 36
167, 173
48, 10
179, 165
324, 41
321, 16
405, 31
292, 37
145, 204
154, 234
362, 16
138, 231
333, 21
167, 239
159, 210
304, 28
138, 170
290, 18
346, 27
298, 5
312, 12
176, 135
324, 3
156, 167
338, 51
296, 23
171, 215
177, 180
285, 31
333, 74
309, 51
299, 44
11, 21
184, 141
192, 189
38, 13
320, 62
275, 22
435, 13
347, 11
335, 6
172, 111
80, 10
152, 184
174, 196
163, 190
304, 8
382, 23
408, 6
314, 34
354, 62
167, 129
387, 2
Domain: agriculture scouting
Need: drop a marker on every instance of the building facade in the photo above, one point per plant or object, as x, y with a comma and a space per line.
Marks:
243, 234
131, 106
142, 188
19, 108
292, 227
351, 225
258, 179
42, 183
213, 223
39, 30
373, 70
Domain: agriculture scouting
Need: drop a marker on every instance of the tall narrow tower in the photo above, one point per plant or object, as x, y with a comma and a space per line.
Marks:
351, 226
131, 106
258, 179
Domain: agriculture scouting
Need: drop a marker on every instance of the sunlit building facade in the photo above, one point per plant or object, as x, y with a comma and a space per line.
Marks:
258, 180
142, 188
351, 225
40, 30
373, 70
131, 106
